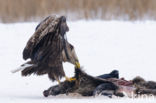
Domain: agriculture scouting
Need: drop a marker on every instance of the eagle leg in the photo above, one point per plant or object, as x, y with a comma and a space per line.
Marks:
77, 66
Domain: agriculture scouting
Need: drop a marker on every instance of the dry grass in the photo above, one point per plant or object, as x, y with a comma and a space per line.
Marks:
34, 10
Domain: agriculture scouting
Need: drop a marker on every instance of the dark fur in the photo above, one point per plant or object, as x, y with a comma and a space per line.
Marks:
113, 74
105, 89
141, 91
84, 85
144, 87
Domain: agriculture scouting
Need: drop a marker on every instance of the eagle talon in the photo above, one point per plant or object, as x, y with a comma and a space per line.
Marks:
70, 79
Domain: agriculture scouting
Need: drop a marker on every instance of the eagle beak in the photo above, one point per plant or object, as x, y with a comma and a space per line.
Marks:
77, 65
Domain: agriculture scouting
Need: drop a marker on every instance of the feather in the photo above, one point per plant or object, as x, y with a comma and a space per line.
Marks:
45, 49
22, 67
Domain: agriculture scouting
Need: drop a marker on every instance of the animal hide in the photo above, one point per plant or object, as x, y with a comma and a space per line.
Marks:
84, 85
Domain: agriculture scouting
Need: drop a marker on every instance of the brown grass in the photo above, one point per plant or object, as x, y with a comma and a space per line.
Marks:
34, 10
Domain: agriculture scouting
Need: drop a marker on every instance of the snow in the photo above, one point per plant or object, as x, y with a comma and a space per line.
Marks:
101, 47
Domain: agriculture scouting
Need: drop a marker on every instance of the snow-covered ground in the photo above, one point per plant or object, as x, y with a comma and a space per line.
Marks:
101, 47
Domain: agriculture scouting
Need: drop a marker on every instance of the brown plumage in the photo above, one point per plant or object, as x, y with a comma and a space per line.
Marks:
47, 49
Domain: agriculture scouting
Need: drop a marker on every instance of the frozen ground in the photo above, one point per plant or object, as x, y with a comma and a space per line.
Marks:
101, 47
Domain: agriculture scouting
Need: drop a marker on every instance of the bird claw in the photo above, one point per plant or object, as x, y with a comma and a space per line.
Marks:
70, 79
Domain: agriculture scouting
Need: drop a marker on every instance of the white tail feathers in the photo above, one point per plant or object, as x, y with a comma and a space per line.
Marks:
22, 67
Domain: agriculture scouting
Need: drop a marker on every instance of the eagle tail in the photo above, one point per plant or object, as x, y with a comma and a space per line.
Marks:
28, 71
22, 67
34, 69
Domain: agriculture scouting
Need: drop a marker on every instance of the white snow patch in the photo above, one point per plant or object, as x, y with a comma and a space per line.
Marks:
101, 47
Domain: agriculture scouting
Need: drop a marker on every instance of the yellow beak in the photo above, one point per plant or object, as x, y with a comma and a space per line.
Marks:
77, 65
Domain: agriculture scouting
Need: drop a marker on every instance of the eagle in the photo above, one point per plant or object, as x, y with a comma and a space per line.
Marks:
48, 48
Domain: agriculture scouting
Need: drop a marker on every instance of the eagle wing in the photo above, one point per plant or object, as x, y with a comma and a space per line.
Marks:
48, 25
48, 58
44, 49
